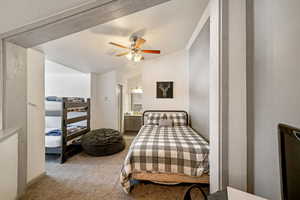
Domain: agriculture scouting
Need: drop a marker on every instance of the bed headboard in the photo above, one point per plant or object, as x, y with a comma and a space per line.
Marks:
147, 112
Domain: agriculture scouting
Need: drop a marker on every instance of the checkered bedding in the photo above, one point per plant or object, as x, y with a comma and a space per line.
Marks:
177, 118
169, 149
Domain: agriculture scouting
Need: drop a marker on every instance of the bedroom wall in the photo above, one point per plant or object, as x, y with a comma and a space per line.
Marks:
273, 86
171, 67
75, 83
199, 82
105, 110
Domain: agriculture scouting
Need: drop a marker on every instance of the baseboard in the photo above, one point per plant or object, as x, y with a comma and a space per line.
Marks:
36, 179
33, 181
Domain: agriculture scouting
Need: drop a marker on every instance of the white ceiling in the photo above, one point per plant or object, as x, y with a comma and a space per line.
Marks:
166, 27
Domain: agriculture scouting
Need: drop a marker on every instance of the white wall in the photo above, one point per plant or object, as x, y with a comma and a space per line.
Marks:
15, 101
18, 13
199, 82
172, 67
9, 168
274, 86
106, 111
63, 81
35, 114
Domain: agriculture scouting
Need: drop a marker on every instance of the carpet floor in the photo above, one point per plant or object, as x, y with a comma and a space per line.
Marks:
84, 177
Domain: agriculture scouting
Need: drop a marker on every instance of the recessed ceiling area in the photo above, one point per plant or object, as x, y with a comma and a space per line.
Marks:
166, 27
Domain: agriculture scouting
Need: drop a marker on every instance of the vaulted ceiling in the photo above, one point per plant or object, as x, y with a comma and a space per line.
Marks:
167, 27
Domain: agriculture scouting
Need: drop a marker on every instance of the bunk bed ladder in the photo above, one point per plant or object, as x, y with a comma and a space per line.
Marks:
64, 130
67, 150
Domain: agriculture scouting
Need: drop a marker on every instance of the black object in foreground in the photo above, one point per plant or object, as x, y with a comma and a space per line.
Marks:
187, 195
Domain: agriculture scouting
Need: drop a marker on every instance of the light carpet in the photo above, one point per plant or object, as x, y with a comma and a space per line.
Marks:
84, 177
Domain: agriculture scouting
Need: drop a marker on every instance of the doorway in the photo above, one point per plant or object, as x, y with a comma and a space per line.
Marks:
120, 107
52, 29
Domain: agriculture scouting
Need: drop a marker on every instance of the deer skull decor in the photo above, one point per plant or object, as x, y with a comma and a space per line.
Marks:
164, 90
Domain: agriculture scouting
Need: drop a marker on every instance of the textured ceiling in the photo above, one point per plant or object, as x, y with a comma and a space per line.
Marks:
166, 27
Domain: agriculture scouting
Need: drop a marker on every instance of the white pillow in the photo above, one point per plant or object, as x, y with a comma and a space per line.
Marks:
165, 122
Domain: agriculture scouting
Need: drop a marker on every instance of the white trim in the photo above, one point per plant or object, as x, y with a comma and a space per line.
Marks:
205, 16
2, 50
213, 13
36, 179
237, 95
215, 115
30, 183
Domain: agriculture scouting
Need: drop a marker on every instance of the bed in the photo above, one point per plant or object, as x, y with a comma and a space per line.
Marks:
166, 154
67, 119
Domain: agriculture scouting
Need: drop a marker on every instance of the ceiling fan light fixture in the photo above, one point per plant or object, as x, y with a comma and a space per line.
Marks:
135, 52
137, 57
134, 56
129, 56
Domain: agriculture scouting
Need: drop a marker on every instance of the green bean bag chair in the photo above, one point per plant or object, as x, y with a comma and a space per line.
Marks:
102, 142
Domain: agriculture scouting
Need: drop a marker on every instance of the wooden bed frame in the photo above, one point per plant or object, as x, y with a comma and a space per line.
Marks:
169, 177
67, 150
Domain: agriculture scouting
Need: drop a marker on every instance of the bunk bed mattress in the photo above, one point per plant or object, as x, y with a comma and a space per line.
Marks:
53, 105
54, 108
52, 141
158, 149
55, 140
55, 121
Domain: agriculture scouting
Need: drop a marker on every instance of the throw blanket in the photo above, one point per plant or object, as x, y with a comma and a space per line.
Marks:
53, 98
71, 129
161, 149
55, 132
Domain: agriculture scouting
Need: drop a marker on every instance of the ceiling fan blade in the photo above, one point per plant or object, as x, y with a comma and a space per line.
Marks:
139, 43
122, 54
118, 45
151, 51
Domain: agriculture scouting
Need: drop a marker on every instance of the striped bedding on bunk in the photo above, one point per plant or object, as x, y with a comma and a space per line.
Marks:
71, 129
53, 136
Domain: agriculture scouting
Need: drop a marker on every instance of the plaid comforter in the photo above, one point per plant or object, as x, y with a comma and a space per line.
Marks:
160, 149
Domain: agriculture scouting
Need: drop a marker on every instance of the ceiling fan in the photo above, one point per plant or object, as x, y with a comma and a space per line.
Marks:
135, 51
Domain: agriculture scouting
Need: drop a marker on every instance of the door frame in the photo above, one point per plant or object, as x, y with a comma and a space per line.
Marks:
218, 131
120, 107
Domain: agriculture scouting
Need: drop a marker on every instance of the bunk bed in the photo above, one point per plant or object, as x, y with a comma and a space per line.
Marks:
67, 120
